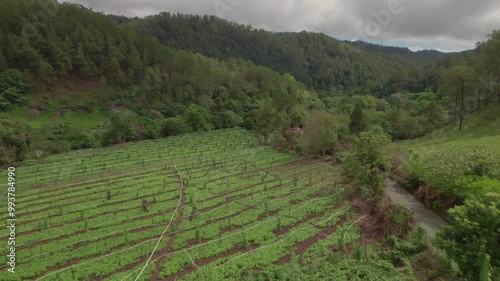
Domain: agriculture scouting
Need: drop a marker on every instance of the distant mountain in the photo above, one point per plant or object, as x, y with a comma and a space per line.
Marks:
398, 50
430, 53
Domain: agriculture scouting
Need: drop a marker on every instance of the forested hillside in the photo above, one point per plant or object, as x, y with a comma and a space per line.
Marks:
315, 59
134, 72
399, 50
72, 78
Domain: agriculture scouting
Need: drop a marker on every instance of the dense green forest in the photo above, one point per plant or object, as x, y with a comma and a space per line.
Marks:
315, 59
156, 84
169, 74
150, 71
128, 79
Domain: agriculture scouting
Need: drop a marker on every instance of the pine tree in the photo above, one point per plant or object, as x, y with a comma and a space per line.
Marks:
114, 73
357, 124
3, 61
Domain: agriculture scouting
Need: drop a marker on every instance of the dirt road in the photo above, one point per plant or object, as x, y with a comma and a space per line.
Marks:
425, 218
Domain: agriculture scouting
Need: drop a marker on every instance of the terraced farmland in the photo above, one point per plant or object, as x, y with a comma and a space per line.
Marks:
202, 206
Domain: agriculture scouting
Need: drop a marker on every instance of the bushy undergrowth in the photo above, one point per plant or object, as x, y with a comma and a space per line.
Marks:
402, 249
459, 172
469, 178
367, 162
473, 241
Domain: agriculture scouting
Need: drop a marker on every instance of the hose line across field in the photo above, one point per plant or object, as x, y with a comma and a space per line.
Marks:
169, 223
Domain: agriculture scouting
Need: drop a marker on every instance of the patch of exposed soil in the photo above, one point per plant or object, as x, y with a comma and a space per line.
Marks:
266, 215
194, 242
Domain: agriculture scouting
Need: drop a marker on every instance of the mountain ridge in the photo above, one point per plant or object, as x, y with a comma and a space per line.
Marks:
315, 59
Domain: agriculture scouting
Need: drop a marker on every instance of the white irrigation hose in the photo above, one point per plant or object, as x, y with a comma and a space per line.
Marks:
242, 231
108, 234
288, 236
170, 222
191, 259
345, 232
208, 197
195, 246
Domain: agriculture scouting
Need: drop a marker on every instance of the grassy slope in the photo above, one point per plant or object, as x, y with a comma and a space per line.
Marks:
76, 119
67, 93
482, 128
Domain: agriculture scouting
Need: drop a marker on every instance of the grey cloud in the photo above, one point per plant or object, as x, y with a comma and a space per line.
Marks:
463, 22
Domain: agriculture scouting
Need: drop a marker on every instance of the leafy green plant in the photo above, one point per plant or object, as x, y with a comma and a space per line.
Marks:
320, 132
414, 170
121, 127
197, 117
474, 234
13, 87
413, 244
476, 186
14, 140
368, 163
174, 126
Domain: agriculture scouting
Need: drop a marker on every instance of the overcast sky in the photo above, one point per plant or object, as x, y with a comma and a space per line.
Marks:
445, 25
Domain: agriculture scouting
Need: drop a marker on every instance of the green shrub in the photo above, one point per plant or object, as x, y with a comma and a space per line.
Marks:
174, 126
399, 158
198, 118
50, 147
299, 148
415, 170
83, 140
120, 127
320, 133
14, 141
276, 139
476, 186
13, 87
411, 245
249, 123
401, 217
474, 234
150, 128
229, 119
368, 163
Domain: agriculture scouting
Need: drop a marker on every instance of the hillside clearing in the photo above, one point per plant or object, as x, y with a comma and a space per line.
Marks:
481, 128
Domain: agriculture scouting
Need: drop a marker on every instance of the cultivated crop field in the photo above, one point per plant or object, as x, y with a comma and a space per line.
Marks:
205, 206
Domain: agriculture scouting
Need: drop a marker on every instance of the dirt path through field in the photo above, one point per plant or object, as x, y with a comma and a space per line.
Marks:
425, 217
